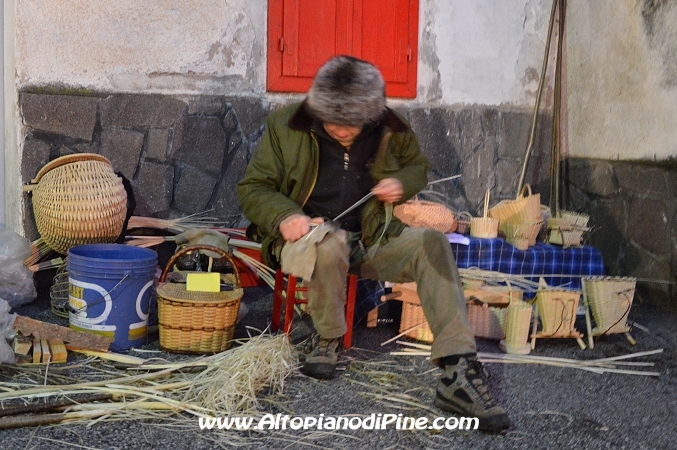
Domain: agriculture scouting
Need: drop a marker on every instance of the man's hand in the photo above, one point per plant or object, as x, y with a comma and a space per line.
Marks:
388, 190
296, 226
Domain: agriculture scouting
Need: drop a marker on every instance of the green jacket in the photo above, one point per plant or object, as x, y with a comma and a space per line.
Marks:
283, 171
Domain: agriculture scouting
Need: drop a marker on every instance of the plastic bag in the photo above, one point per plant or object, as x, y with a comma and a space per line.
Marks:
16, 280
6, 332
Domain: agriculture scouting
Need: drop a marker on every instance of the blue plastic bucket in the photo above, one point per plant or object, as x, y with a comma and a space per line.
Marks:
109, 290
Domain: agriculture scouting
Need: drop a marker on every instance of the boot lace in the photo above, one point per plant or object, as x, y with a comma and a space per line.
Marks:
478, 377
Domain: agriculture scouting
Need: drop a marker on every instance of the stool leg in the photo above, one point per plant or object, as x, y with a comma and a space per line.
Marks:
350, 311
289, 303
277, 300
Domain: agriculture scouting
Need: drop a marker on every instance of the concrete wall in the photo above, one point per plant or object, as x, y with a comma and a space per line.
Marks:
622, 78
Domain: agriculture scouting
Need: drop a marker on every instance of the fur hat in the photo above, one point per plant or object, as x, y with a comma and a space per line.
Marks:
347, 91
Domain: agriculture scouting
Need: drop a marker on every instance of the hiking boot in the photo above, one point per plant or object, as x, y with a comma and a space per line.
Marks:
321, 361
463, 390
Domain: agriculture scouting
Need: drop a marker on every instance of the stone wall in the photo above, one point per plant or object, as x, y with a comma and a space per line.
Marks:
184, 155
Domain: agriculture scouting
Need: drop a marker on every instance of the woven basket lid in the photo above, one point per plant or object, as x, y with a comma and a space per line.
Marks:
58, 162
177, 292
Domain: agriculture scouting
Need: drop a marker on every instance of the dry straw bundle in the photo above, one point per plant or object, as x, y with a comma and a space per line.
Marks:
78, 199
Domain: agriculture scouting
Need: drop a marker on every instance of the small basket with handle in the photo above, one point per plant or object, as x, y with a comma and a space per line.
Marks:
485, 226
426, 214
525, 208
197, 322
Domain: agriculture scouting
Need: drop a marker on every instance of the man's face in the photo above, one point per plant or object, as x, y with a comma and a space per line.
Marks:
344, 134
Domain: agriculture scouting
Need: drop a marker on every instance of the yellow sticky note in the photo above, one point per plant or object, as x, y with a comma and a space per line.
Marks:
203, 282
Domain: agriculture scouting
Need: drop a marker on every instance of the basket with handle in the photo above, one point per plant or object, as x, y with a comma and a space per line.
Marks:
485, 226
486, 321
426, 214
521, 235
517, 324
78, 199
525, 208
197, 322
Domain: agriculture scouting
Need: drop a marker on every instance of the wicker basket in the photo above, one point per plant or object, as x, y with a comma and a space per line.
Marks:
413, 319
526, 208
463, 222
517, 324
197, 322
486, 321
610, 299
521, 235
485, 226
424, 214
78, 199
557, 312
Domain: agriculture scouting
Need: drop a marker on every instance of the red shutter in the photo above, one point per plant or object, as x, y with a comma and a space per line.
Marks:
303, 34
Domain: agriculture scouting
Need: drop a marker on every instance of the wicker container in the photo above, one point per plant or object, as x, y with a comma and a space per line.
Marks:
557, 312
463, 222
413, 319
521, 235
486, 321
610, 299
78, 199
424, 214
517, 324
566, 238
525, 208
485, 226
197, 322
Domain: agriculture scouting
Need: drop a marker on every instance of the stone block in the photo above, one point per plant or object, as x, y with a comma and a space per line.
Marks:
640, 178
201, 144
67, 115
140, 111
507, 175
471, 130
648, 224
123, 149
596, 177
608, 223
153, 189
193, 190
35, 156
158, 140
652, 270
226, 203
436, 132
513, 133
207, 105
251, 113
479, 172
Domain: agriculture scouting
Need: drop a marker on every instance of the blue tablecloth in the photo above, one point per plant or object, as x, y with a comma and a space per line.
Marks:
557, 265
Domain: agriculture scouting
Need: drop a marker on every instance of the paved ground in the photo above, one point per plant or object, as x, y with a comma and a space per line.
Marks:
551, 407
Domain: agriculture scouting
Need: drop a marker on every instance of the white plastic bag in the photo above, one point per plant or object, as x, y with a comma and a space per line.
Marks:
16, 281
6, 332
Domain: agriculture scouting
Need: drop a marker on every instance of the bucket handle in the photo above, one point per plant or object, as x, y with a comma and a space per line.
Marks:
96, 301
192, 248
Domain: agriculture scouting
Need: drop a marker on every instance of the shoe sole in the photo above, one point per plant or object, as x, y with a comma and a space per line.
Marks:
503, 423
322, 371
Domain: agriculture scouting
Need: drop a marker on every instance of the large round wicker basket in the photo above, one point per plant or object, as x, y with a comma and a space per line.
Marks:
78, 199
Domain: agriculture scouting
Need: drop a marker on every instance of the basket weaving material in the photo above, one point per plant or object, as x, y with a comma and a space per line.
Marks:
484, 227
486, 321
424, 214
610, 299
78, 199
557, 312
526, 208
197, 322
413, 319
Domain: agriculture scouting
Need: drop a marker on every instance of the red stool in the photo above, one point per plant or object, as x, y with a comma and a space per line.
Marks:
286, 288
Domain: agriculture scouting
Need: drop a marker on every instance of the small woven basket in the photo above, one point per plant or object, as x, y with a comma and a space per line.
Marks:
197, 322
486, 321
413, 319
425, 214
78, 199
521, 235
525, 208
610, 299
463, 222
557, 311
485, 226
517, 324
